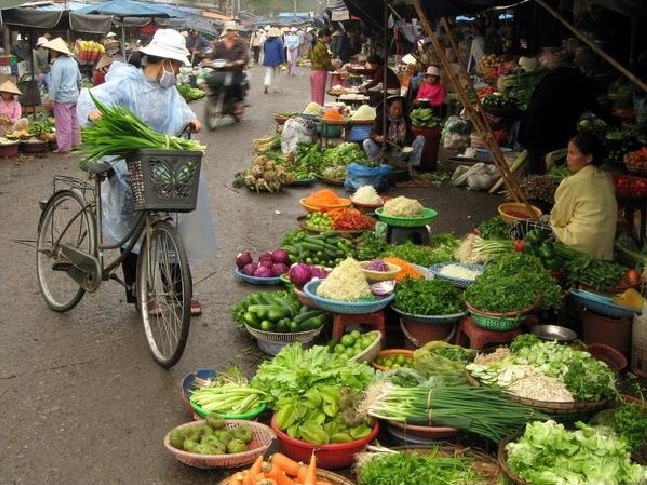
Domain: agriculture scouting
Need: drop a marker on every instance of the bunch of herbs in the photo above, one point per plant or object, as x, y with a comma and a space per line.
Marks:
427, 297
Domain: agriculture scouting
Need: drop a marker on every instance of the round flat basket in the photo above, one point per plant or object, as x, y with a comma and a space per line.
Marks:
610, 356
436, 270
507, 208
332, 182
345, 307
368, 355
263, 436
306, 182
272, 342
360, 205
502, 457
483, 465
440, 319
413, 434
428, 215
318, 208
602, 305
309, 116
322, 475
257, 280
498, 321
408, 354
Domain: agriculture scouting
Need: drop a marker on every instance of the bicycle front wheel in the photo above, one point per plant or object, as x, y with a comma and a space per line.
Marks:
64, 221
164, 293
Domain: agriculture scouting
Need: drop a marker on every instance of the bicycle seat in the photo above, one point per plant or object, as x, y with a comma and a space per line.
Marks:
100, 168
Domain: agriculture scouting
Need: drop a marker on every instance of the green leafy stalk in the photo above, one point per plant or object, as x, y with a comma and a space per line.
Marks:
119, 132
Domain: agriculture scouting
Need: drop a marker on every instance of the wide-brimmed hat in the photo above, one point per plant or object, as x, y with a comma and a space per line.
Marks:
41, 41
293, 29
9, 87
433, 71
230, 25
395, 97
111, 34
167, 44
105, 61
274, 32
58, 45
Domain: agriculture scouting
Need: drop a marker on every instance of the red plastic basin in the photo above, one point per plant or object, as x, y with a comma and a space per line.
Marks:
329, 457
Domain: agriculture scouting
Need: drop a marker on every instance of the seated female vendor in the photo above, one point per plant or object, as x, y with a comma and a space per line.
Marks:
376, 83
585, 213
384, 148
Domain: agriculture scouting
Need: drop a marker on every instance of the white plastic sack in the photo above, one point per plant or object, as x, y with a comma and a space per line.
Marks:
296, 130
484, 178
459, 177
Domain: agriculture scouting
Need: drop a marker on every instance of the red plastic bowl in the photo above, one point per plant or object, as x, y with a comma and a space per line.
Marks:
329, 457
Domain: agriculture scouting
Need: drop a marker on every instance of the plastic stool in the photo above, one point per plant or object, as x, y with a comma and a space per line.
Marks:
417, 235
478, 338
375, 320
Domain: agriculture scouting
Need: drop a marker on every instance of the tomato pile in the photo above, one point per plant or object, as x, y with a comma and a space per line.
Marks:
630, 187
347, 219
637, 159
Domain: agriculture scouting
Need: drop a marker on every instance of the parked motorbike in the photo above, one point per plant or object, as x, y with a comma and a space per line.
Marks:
220, 103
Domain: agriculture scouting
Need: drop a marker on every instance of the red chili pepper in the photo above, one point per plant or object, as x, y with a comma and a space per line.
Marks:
518, 245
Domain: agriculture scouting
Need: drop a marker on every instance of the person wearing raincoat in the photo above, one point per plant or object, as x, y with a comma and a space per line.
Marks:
150, 93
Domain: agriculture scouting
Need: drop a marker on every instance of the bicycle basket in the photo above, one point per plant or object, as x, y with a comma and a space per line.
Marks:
164, 179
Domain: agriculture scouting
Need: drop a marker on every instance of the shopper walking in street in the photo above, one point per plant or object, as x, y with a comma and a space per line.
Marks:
321, 63
41, 61
255, 42
64, 86
292, 50
274, 55
150, 93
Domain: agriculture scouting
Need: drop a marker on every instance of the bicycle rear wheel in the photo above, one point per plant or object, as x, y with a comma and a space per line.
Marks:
164, 293
64, 221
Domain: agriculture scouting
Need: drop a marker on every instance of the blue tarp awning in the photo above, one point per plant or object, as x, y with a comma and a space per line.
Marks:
131, 8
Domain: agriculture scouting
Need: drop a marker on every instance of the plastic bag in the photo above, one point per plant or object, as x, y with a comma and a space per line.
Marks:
297, 130
358, 175
118, 206
480, 176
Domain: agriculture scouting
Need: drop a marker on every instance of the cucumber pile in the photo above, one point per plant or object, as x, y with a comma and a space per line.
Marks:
278, 312
326, 249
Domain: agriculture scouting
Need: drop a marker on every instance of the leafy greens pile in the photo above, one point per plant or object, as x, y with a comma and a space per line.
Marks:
423, 297
294, 371
548, 454
514, 282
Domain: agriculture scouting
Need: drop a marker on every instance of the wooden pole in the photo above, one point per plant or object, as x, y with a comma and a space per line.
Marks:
476, 112
594, 47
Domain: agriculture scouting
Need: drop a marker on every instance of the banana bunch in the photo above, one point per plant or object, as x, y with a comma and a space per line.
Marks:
89, 51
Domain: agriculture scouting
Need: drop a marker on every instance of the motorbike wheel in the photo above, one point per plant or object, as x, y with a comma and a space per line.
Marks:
212, 112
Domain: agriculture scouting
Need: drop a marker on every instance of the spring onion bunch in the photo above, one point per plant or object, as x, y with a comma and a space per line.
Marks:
230, 398
475, 249
479, 410
119, 132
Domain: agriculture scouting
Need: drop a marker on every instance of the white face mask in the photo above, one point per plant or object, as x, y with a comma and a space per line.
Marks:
167, 79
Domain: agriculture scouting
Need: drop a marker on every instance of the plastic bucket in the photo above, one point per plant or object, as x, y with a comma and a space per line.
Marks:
614, 332
417, 334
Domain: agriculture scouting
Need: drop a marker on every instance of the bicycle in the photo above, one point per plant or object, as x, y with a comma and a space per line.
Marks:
70, 246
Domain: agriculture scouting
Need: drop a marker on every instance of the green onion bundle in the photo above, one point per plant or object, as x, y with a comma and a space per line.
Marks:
483, 411
119, 132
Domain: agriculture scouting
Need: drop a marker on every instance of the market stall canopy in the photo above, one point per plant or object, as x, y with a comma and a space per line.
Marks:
63, 20
372, 11
130, 8
201, 24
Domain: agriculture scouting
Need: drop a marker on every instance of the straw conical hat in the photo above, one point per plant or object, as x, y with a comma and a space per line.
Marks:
9, 87
58, 45
105, 61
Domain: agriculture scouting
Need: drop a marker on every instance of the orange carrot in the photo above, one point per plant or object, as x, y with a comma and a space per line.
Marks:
257, 467
301, 474
322, 482
235, 479
276, 473
311, 474
288, 465
247, 478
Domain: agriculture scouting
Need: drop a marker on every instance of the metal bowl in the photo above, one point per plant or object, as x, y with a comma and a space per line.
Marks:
554, 332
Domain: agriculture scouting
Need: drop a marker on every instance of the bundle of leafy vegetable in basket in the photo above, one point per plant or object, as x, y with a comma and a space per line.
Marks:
189, 93
427, 297
119, 132
424, 118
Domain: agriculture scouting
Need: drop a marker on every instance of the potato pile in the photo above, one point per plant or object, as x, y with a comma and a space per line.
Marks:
212, 437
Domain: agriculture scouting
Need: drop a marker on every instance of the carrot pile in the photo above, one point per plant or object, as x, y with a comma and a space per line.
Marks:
279, 470
333, 115
349, 219
323, 197
407, 269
